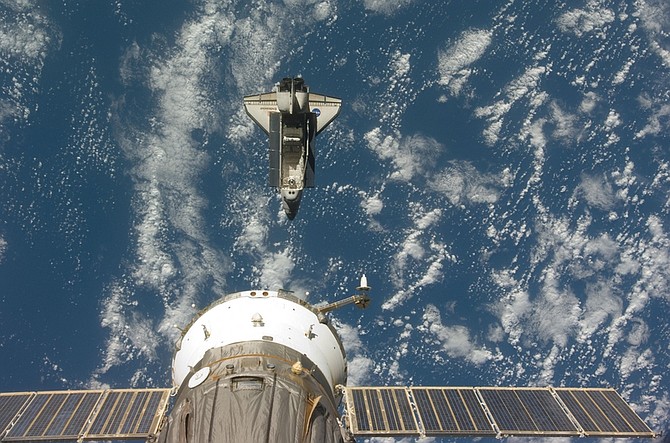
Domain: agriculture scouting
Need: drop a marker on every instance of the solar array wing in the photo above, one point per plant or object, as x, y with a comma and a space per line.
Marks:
113, 414
528, 412
10, 406
489, 411
602, 412
381, 411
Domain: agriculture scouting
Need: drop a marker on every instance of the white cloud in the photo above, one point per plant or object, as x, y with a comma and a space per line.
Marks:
130, 334
359, 366
602, 303
582, 21
589, 102
386, 7
655, 18
461, 182
566, 125
411, 156
456, 340
419, 260
525, 85
400, 64
597, 192
3, 249
276, 270
372, 205
27, 35
657, 123
454, 62
174, 258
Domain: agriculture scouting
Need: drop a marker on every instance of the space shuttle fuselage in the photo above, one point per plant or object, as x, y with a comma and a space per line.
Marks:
257, 366
292, 117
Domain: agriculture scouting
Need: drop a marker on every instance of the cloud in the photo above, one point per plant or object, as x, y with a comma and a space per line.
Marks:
372, 205
174, 258
385, 7
27, 35
566, 125
582, 21
418, 259
597, 192
655, 18
589, 102
454, 61
460, 182
276, 269
130, 334
456, 340
3, 249
411, 156
359, 366
526, 85
658, 122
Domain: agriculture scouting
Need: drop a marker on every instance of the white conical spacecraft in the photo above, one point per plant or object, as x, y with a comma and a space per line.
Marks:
257, 366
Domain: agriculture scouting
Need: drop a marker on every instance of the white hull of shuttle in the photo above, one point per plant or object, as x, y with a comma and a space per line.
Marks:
292, 117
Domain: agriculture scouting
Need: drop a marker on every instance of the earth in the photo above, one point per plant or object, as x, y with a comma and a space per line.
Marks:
500, 171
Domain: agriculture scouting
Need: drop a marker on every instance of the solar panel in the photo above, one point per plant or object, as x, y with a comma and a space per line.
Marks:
602, 412
527, 411
381, 411
451, 411
489, 411
10, 405
82, 415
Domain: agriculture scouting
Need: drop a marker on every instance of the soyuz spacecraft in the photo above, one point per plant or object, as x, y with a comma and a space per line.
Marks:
292, 117
267, 366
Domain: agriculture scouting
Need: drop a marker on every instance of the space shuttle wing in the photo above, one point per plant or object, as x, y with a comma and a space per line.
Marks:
491, 411
326, 109
259, 107
112, 414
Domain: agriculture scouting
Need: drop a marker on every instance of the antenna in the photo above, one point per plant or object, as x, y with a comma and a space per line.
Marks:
364, 284
361, 300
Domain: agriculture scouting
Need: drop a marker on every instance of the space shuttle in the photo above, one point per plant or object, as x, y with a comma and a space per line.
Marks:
292, 117
268, 366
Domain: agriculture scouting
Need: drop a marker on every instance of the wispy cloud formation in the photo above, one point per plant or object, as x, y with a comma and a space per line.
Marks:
359, 367
523, 87
659, 119
655, 18
411, 156
582, 21
3, 249
454, 62
597, 191
419, 261
385, 7
461, 182
456, 340
26, 38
